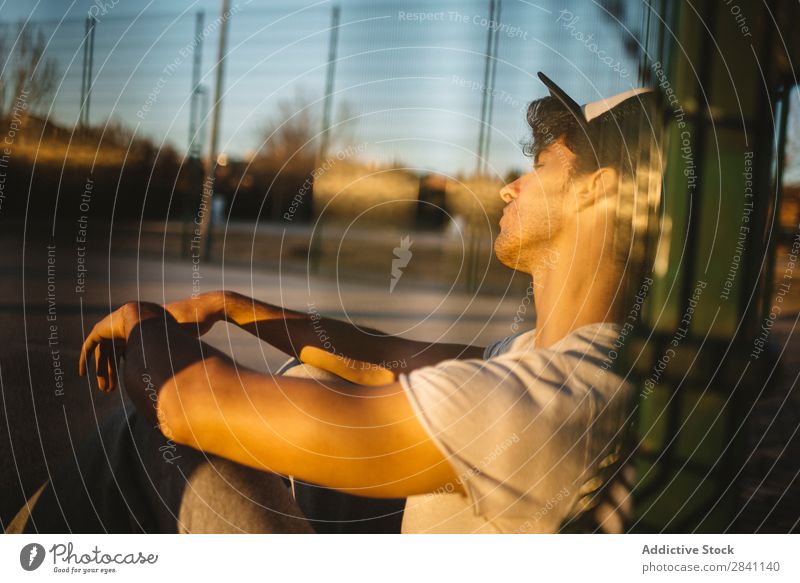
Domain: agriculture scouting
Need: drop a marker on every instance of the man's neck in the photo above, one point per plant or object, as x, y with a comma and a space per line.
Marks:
581, 284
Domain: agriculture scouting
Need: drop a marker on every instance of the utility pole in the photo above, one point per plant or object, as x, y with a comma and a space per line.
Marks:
195, 144
209, 184
488, 86
487, 104
315, 250
490, 106
329, 79
197, 90
86, 76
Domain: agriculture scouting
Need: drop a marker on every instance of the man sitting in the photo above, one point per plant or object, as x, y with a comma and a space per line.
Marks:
520, 436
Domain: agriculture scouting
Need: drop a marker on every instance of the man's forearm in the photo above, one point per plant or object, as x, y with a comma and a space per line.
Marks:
157, 350
291, 331
333, 435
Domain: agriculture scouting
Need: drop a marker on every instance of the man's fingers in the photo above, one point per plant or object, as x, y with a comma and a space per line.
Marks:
111, 373
115, 353
105, 354
108, 363
98, 342
82, 359
100, 356
86, 351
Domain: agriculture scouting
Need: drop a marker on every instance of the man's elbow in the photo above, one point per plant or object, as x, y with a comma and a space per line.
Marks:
189, 409
172, 414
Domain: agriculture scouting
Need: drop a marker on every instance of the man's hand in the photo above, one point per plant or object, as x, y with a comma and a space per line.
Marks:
355, 371
198, 315
108, 339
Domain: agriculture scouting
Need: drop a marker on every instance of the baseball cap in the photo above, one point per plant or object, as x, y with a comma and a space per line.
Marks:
589, 111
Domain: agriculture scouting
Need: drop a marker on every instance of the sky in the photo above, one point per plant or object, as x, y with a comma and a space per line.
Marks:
409, 73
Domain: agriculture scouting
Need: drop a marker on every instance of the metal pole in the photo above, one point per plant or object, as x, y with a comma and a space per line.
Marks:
490, 107
315, 250
92, 22
194, 145
196, 71
329, 79
488, 82
217, 104
83, 73
201, 115
486, 68
86, 73
209, 183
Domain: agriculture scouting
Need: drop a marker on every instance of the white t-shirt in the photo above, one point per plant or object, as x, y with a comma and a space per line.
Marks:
531, 433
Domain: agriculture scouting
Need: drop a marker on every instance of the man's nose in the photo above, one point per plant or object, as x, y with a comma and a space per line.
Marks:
510, 191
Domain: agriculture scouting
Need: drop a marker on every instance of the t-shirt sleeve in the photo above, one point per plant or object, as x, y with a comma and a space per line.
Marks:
498, 347
514, 429
492, 349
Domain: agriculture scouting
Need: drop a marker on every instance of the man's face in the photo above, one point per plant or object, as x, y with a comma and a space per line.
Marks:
535, 210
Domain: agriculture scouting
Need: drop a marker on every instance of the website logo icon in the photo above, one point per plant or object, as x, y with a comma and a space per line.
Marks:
31, 556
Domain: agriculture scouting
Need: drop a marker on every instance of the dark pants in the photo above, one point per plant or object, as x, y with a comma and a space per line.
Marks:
128, 478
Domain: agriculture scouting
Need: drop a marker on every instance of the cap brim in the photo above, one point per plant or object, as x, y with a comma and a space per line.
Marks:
561, 95
588, 112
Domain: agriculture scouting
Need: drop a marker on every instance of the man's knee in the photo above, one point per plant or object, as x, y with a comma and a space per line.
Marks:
221, 496
194, 491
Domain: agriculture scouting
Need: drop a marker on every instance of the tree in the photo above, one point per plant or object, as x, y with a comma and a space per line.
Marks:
294, 133
26, 69
291, 135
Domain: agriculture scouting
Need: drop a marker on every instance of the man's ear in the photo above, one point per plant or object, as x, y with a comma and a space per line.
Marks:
603, 183
596, 187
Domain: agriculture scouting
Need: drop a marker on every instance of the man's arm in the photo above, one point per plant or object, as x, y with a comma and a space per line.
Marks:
290, 331
366, 441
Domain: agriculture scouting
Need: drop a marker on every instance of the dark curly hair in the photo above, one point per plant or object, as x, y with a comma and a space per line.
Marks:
613, 139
